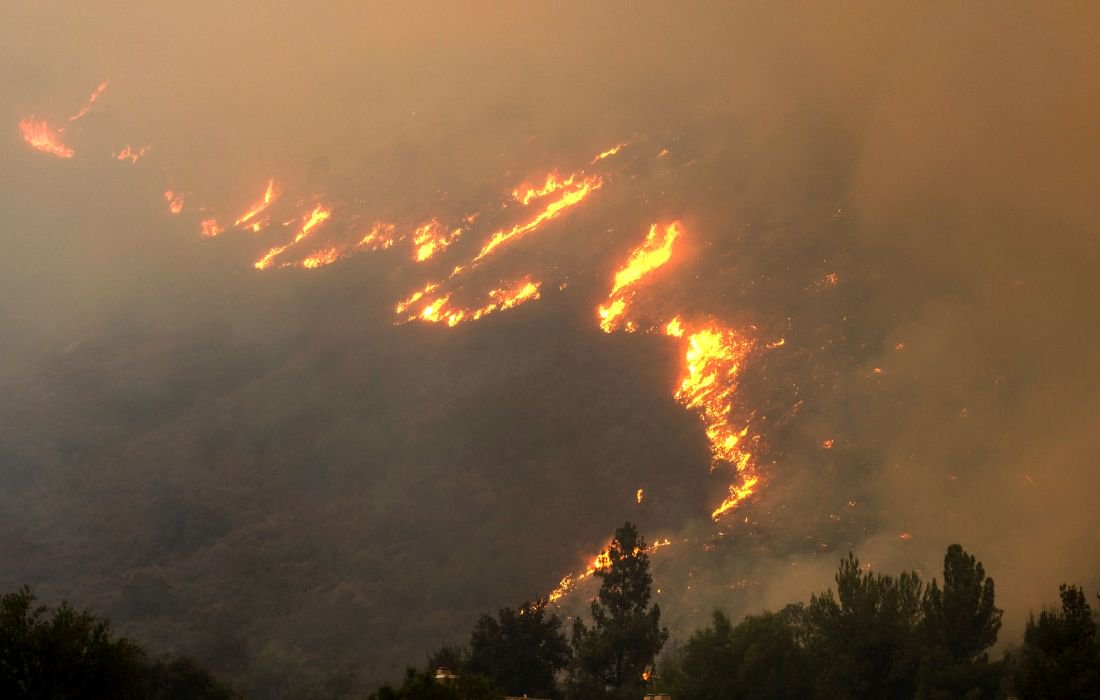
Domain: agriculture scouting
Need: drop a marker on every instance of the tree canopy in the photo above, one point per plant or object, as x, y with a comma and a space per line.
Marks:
612, 657
520, 650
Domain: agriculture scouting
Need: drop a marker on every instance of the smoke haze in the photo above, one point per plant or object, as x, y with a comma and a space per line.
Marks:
200, 448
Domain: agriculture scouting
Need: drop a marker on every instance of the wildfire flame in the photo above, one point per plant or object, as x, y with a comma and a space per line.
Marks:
175, 201
91, 100
654, 252
318, 216
573, 195
131, 155
42, 137
258, 208
210, 228
440, 310
432, 237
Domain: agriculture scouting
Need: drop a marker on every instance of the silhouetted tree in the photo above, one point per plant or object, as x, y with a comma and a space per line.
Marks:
421, 685
609, 658
864, 640
180, 678
68, 653
520, 650
1060, 657
960, 623
759, 658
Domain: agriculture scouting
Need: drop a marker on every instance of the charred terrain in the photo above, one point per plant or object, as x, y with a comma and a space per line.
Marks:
324, 333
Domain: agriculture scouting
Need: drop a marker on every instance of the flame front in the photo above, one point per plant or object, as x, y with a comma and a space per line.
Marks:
432, 237
654, 252
712, 363
258, 208
42, 137
440, 310
572, 196
91, 100
318, 216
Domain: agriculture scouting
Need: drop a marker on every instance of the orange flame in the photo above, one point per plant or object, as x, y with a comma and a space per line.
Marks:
210, 228
713, 360
440, 310
609, 152
132, 155
380, 237
175, 201
653, 253
430, 238
571, 197
526, 193
91, 100
41, 137
258, 208
600, 562
317, 217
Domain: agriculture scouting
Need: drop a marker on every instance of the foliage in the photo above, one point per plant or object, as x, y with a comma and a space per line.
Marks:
421, 685
181, 678
520, 650
1060, 657
760, 658
960, 623
68, 653
610, 658
864, 640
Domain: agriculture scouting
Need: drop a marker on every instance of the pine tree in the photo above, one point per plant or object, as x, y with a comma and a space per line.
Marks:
611, 657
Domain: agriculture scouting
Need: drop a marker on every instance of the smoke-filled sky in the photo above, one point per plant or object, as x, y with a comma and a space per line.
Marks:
940, 161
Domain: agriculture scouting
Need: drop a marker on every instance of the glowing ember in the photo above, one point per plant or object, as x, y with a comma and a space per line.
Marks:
131, 155
380, 237
210, 228
572, 196
175, 201
321, 258
317, 217
41, 137
640, 495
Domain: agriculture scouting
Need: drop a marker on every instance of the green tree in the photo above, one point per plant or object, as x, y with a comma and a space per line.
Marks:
864, 640
520, 650
610, 658
68, 653
1060, 657
760, 658
960, 623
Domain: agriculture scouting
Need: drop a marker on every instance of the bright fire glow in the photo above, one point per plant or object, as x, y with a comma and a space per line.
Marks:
526, 193
654, 252
210, 228
574, 195
91, 100
317, 217
258, 208
440, 310
432, 237
42, 137
608, 153
712, 363
175, 201
132, 155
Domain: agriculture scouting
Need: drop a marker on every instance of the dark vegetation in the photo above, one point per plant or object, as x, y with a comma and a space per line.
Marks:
67, 653
874, 636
